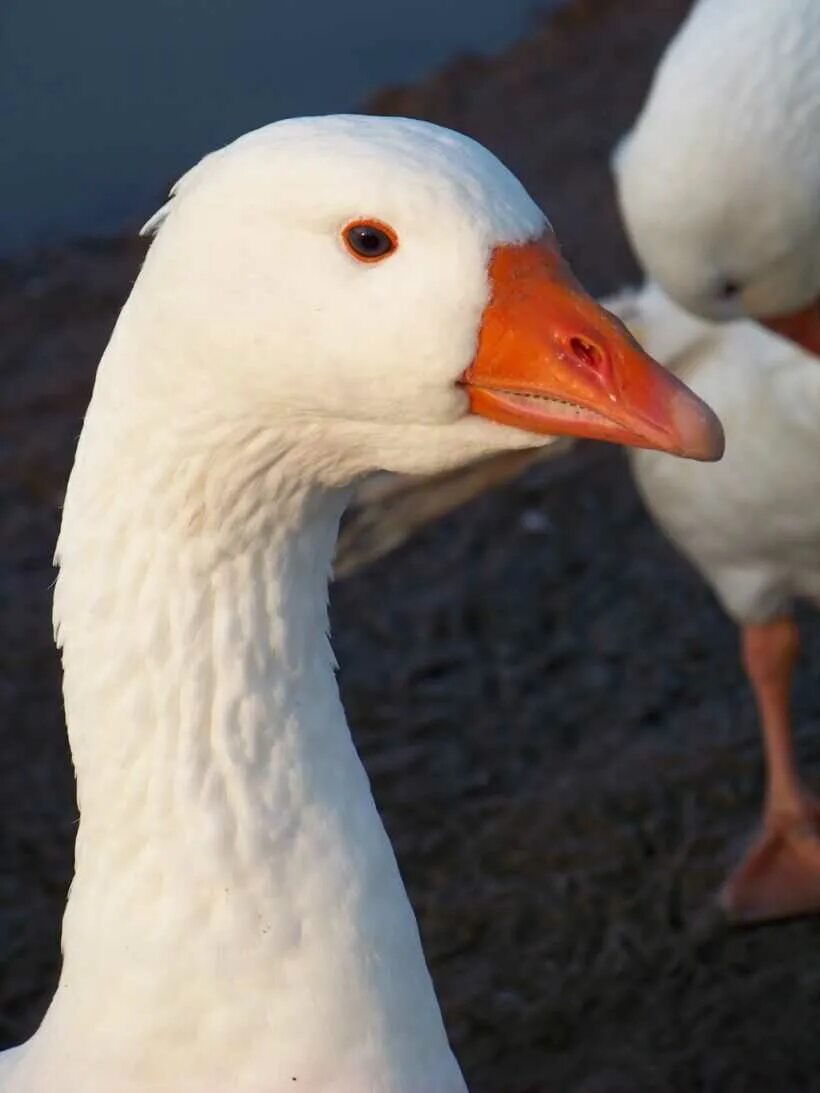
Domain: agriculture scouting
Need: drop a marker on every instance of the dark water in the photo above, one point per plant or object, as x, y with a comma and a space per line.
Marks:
103, 102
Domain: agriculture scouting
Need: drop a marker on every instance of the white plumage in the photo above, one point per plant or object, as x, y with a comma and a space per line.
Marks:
751, 523
719, 179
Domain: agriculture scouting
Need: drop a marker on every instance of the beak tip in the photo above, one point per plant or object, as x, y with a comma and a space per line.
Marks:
699, 429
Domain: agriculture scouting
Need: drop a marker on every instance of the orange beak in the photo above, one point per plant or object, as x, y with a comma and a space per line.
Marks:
802, 327
552, 360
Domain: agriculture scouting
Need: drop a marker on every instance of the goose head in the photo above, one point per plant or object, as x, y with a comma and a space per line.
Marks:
388, 287
719, 180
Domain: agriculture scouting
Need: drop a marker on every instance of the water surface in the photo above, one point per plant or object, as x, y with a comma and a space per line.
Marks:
106, 101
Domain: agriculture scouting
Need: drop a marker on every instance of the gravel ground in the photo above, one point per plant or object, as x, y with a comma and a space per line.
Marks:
546, 698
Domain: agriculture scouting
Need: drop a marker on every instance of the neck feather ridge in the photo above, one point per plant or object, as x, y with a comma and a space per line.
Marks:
235, 891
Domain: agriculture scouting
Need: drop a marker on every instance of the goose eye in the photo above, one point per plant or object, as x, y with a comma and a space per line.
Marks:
369, 240
729, 289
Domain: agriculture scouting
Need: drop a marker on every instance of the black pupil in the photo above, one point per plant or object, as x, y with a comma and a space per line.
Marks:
369, 241
729, 288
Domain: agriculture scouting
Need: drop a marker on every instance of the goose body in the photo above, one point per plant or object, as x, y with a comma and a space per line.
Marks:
325, 297
751, 526
719, 178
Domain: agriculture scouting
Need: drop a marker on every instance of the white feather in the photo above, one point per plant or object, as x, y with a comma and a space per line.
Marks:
719, 179
750, 523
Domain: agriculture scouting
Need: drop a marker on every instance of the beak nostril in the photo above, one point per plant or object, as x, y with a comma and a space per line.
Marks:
588, 353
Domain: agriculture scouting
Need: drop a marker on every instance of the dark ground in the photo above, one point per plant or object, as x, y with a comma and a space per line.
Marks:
547, 700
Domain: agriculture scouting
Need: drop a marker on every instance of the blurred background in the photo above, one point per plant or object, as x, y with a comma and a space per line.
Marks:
547, 700
104, 104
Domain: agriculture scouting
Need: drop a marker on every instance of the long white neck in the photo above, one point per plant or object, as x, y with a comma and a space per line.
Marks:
237, 919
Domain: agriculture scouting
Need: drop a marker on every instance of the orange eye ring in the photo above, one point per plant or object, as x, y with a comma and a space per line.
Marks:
369, 240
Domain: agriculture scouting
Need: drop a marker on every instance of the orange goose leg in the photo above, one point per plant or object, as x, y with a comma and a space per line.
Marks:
780, 874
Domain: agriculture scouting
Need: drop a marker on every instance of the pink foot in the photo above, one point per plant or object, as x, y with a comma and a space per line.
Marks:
779, 877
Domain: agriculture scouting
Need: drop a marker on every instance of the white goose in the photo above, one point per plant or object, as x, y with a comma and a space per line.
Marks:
751, 525
324, 297
719, 185
719, 179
